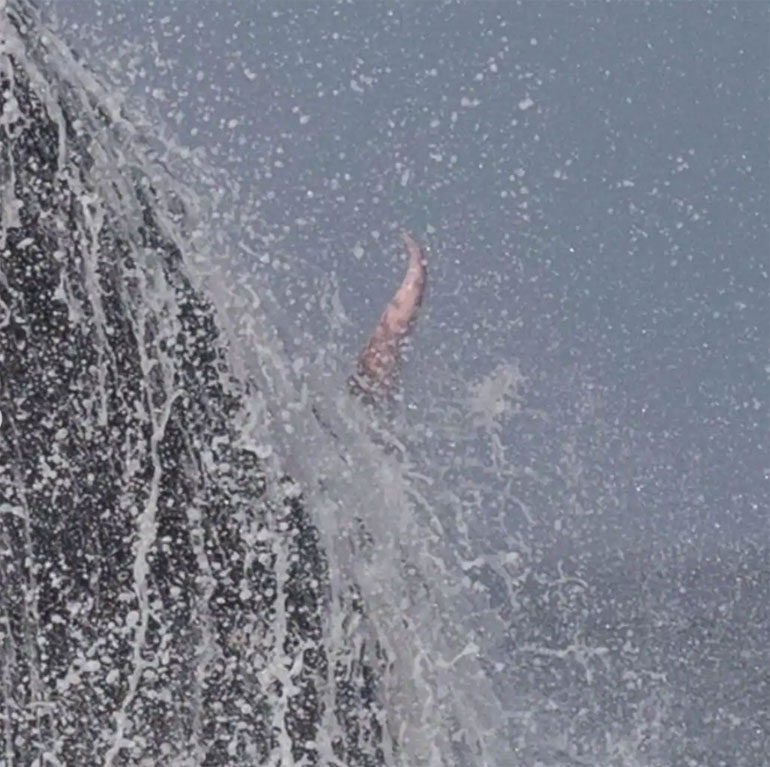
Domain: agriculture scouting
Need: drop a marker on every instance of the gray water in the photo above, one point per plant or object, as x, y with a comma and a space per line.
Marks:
566, 512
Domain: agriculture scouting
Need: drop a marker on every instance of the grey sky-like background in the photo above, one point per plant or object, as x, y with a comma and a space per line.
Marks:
591, 180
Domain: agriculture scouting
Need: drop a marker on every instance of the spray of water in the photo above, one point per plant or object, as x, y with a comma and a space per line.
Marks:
201, 415
211, 554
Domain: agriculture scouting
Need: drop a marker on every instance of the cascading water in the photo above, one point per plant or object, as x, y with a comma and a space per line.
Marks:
210, 554
165, 594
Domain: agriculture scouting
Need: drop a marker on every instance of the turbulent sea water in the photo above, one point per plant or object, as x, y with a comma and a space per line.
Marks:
209, 555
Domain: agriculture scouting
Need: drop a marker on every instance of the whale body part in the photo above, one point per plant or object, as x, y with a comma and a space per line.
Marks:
378, 363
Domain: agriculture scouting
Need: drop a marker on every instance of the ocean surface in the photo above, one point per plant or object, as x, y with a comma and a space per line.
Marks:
211, 554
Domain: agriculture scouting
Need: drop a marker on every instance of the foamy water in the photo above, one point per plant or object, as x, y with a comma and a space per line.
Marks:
444, 566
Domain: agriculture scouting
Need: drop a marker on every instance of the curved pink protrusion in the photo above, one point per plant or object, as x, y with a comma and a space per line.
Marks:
378, 362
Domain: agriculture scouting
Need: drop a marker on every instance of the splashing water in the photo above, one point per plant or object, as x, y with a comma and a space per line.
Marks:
192, 630
212, 554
